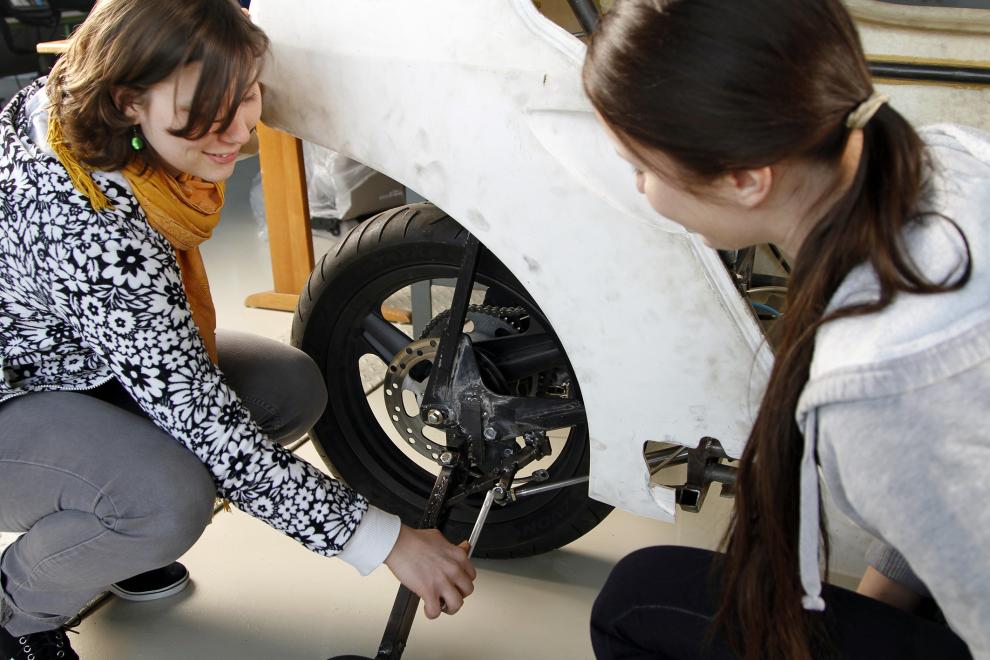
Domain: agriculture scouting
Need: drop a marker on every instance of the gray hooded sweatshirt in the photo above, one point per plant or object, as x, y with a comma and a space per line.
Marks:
894, 408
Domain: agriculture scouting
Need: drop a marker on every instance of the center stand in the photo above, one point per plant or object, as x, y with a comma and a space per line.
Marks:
438, 410
482, 429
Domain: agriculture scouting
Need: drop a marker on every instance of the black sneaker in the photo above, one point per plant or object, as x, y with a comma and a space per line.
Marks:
159, 583
37, 646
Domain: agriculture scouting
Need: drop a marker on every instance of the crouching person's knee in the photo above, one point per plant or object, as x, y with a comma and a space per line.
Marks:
623, 583
167, 508
303, 399
186, 511
657, 602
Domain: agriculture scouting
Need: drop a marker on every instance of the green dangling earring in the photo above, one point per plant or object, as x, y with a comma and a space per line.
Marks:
137, 144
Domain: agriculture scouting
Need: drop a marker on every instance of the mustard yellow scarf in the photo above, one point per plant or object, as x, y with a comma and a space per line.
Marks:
184, 210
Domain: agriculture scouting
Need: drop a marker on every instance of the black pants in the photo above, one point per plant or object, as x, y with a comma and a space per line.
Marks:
659, 603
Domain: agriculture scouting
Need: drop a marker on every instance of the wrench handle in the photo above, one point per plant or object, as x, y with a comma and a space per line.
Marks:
480, 522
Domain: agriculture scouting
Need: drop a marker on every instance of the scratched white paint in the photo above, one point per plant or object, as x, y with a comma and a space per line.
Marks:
478, 107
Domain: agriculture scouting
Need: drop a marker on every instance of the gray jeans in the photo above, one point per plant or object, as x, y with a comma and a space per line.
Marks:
103, 494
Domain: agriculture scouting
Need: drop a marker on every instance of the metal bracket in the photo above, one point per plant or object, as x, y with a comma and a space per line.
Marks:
440, 389
704, 467
490, 422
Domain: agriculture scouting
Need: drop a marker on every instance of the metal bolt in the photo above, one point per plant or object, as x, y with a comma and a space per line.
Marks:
446, 458
508, 451
435, 418
491, 433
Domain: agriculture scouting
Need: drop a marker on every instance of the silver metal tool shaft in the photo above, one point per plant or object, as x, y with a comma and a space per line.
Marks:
476, 530
480, 522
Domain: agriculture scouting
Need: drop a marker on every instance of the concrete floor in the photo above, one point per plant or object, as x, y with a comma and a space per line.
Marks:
257, 595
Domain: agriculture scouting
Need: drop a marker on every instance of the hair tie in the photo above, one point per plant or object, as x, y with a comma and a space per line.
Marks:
864, 112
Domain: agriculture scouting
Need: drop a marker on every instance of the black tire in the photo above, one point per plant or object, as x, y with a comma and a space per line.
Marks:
390, 251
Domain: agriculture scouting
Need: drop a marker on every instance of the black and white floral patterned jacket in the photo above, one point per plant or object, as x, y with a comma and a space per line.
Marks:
87, 296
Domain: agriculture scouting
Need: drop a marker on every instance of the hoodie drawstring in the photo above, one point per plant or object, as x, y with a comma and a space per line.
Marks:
808, 542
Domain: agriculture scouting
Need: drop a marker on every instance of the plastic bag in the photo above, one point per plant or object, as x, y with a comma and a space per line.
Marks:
330, 178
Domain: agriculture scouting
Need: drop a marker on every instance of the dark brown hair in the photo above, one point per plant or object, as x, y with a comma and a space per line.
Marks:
725, 86
131, 45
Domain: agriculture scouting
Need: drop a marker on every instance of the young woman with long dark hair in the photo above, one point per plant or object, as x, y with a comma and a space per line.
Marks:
756, 121
122, 411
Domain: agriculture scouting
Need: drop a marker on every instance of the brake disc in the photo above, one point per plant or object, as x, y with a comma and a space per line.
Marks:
417, 358
409, 374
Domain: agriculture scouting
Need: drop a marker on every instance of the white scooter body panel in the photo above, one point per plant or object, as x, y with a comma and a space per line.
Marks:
478, 107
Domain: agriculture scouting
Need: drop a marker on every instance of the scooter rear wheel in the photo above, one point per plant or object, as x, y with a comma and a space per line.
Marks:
338, 323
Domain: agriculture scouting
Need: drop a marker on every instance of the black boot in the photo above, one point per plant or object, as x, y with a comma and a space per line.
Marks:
37, 646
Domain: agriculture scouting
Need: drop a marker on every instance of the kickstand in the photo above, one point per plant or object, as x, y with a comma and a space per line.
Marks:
406, 603
435, 409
